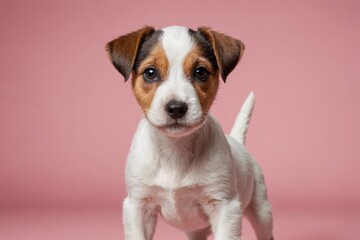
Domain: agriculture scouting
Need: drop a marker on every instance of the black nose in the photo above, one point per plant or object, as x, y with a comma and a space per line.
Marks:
176, 109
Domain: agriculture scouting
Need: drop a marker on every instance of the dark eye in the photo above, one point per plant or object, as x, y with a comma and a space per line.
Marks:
201, 74
150, 75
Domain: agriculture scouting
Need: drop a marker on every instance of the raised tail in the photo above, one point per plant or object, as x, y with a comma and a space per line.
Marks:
240, 127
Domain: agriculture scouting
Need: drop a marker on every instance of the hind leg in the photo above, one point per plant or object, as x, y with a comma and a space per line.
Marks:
261, 221
259, 211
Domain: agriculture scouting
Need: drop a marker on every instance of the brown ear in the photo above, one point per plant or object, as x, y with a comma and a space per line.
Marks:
228, 50
122, 50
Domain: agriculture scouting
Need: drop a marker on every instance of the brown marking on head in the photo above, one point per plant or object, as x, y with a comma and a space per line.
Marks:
228, 50
123, 50
143, 91
206, 90
137, 51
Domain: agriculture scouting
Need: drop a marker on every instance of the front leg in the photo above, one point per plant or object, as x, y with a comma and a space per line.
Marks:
139, 219
225, 218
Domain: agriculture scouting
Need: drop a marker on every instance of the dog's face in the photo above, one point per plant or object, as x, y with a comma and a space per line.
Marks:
175, 72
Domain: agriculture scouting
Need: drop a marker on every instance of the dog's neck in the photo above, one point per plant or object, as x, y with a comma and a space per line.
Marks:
180, 152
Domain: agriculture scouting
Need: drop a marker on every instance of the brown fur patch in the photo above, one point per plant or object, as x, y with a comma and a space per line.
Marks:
206, 91
122, 50
143, 91
228, 50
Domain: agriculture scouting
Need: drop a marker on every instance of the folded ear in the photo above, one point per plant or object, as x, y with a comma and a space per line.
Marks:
228, 50
122, 51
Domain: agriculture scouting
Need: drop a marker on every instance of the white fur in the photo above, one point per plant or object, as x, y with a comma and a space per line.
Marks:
242, 121
200, 182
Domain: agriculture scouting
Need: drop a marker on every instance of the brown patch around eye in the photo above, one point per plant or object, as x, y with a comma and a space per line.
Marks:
143, 91
206, 90
195, 59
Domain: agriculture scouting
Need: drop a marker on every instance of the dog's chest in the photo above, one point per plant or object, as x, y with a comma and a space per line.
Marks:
181, 207
169, 175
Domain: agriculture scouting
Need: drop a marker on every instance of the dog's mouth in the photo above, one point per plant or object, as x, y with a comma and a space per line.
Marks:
178, 129
176, 126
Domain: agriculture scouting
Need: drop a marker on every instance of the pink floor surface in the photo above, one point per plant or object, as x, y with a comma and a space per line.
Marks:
98, 224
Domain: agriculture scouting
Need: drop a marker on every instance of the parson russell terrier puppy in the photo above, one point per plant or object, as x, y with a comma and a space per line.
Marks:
181, 164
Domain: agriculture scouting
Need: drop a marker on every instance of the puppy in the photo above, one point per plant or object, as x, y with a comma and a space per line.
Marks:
181, 165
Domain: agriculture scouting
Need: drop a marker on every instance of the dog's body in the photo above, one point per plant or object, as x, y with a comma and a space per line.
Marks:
181, 164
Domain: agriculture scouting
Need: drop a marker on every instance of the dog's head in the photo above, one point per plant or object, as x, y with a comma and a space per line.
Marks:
175, 72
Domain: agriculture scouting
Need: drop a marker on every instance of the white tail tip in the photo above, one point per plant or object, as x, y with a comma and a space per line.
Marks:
241, 124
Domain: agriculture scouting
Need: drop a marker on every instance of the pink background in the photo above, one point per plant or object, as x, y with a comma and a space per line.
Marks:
67, 117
